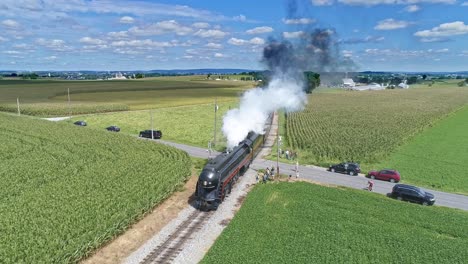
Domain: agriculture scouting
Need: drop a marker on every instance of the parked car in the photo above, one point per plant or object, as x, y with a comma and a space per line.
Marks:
351, 168
385, 175
80, 123
412, 194
157, 134
113, 128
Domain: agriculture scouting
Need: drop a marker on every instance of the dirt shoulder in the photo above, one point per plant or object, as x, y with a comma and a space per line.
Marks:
121, 247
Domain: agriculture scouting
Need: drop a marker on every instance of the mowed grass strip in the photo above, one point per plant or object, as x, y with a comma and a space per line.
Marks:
66, 190
306, 223
49, 97
192, 125
366, 126
437, 157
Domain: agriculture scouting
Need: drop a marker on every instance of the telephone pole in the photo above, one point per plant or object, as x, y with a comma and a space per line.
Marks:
69, 105
278, 151
215, 112
17, 103
152, 131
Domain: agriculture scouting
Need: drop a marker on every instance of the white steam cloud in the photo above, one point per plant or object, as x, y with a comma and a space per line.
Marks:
283, 92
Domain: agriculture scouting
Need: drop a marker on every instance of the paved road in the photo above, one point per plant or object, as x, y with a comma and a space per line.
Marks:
320, 175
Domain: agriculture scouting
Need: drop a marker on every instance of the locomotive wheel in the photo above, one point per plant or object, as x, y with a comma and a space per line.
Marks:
229, 188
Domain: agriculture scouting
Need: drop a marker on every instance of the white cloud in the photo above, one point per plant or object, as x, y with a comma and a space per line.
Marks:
140, 43
368, 39
127, 51
94, 48
219, 55
11, 52
53, 44
241, 42
465, 4
118, 35
412, 8
259, 30
127, 20
438, 51
444, 30
298, 21
201, 25
241, 18
24, 46
347, 53
296, 34
162, 27
10, 24
404, 54
2, 39
434, 40
92, 41
212, 45
257, 41
139, 8
391, 24
322, 2
392, 2
210, 33
51, 58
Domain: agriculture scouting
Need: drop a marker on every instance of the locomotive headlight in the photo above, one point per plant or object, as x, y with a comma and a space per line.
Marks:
204, 183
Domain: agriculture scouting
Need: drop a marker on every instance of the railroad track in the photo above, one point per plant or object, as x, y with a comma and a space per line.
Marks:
175, 242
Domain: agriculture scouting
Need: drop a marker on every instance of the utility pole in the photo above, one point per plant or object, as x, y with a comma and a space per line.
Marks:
278, 152
69, 105
278, 142
17, 103
215, 112
152, 131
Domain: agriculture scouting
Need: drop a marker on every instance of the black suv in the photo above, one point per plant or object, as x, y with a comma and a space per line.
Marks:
351, 168
413, 194
157, 134
113, 128
80, 123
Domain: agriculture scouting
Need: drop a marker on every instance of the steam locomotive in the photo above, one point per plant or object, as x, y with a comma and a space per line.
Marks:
220, 174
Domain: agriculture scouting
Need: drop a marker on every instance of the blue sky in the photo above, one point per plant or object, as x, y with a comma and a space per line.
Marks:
378, 35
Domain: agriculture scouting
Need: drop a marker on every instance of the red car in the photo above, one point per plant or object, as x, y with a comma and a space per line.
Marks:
386, 175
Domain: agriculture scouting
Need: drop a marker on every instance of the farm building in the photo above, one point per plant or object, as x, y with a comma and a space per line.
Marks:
403, 85
348, 83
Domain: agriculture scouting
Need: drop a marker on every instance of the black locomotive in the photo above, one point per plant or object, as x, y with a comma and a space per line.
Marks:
220, 174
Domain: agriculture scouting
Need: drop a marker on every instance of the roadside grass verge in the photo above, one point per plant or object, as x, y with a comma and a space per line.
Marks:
306, 223
436, 158
66, 190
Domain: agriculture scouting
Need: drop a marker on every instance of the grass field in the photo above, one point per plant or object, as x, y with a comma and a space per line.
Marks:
306, 223
437, 157
49, 97
366, 126
192, 125
66, 190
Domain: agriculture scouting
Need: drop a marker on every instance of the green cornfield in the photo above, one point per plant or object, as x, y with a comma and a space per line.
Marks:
63, 109
66, 190
366, 126
305, 223
50, 97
